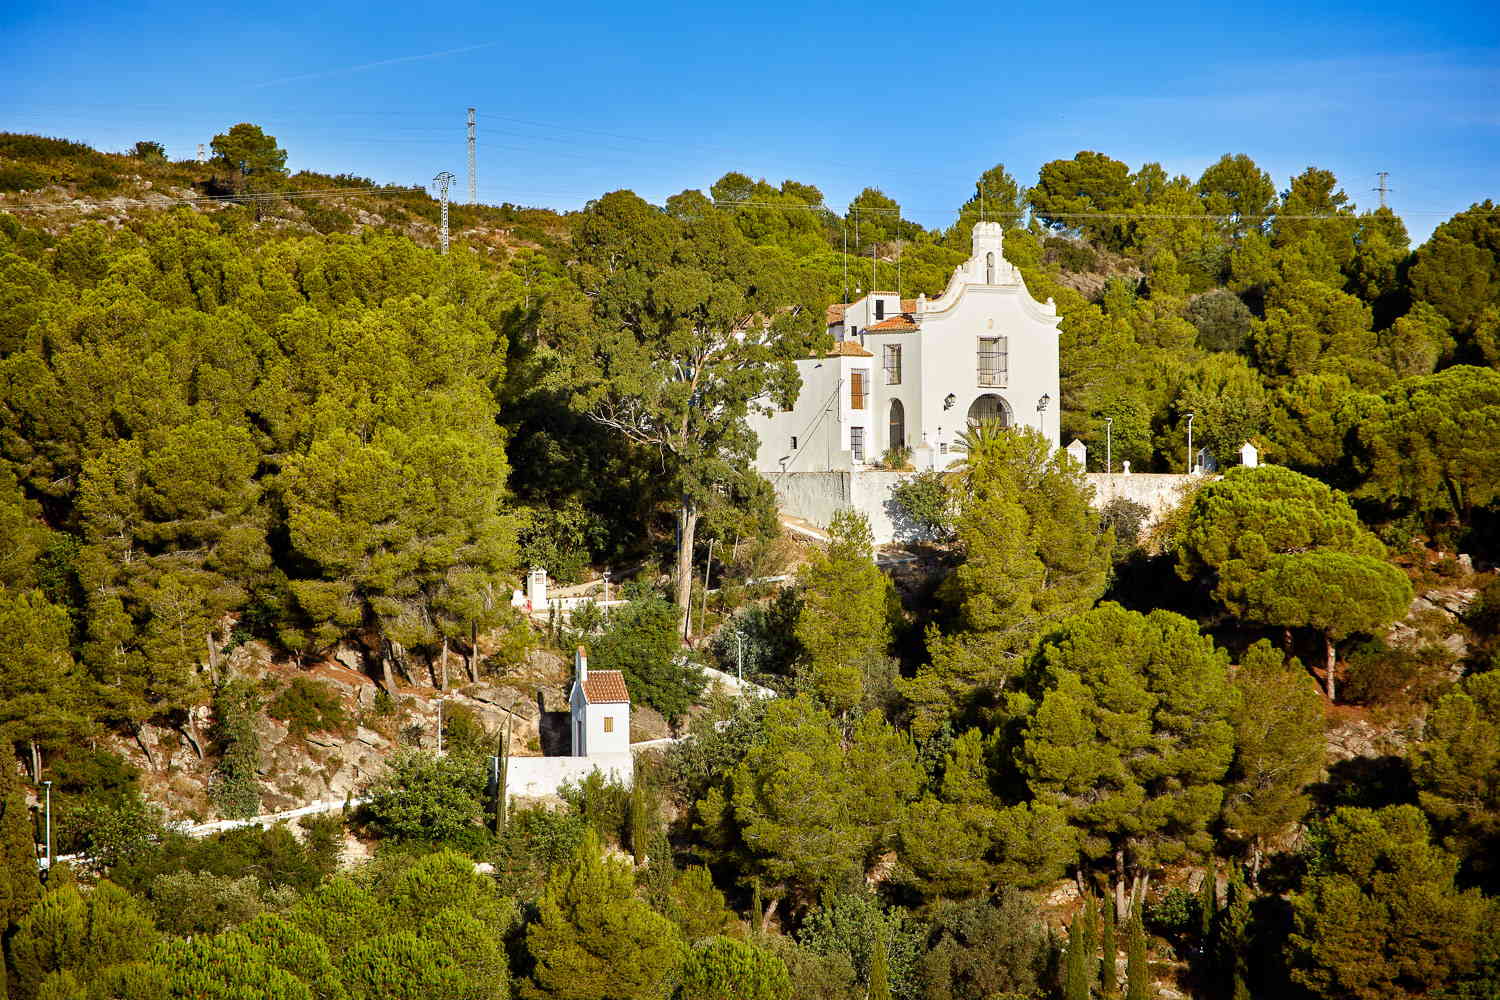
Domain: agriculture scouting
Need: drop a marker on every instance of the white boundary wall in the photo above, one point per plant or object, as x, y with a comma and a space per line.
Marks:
539, 777
815, 496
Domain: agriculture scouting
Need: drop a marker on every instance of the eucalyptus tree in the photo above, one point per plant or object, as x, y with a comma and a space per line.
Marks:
693, 328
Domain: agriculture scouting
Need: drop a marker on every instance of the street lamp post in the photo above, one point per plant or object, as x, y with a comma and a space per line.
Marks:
440, 727
739, 655
1190, 444
48, 786
1109, 435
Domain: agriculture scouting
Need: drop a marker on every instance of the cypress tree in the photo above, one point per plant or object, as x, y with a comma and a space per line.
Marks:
1208, 911
20, 886
1137, 972
1107, 948
757, 908
640, 820
1076, 965
1232, 939
880, 979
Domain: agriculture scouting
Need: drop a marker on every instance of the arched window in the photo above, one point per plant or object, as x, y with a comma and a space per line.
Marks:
989, 268
897, 436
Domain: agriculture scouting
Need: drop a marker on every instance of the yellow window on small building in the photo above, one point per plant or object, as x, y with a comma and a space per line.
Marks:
609, 723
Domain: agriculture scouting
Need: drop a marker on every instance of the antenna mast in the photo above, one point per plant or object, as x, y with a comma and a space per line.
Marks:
442, 181
473, 170
1382, 174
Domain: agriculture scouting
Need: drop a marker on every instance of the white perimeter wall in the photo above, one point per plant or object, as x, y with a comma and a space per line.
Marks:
815, 496
538, 777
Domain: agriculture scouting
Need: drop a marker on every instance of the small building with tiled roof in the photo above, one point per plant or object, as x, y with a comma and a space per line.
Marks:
600, 705
910, 375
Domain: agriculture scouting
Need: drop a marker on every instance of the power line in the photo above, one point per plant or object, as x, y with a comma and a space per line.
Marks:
207, 199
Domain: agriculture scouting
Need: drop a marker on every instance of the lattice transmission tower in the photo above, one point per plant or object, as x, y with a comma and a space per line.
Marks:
473, 168
442, 181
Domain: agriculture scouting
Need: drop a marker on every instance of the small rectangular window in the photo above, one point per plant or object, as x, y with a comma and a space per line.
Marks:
609, 723
858, 389
879, 310
993, 360
794, 442
892, 364
857, 443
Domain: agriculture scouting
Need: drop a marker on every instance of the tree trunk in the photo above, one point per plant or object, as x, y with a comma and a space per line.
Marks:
1328, 645
1255, 860
687, 523
140, 741
1286, 640
36, 761
770, 912
189, 731
473, 659
443, 682
1122, 911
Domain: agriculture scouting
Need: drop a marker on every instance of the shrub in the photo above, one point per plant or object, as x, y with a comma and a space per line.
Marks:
22, 177
427, 798
603, 803
926, 503
309, 706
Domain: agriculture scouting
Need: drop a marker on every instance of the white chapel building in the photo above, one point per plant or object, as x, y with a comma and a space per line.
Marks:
916, 373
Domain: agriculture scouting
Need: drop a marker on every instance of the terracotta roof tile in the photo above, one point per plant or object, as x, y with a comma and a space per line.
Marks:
605, 687
849, 349
894, 323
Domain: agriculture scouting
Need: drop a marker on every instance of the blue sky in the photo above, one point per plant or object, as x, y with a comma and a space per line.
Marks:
577, 100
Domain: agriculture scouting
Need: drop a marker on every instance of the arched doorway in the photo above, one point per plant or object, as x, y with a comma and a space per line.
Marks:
896, 437
990, 407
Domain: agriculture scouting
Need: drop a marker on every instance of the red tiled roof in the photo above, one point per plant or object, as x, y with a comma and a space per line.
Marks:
605, 687
899, 322
849, 349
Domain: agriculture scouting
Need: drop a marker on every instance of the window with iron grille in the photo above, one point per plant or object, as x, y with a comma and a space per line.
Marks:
859, 388
857, 443
892, 364
993, 360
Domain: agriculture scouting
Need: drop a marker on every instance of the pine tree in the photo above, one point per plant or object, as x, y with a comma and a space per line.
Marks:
1208, 908
724, 969
1137, 970
1107, 948
845, 621
594, 939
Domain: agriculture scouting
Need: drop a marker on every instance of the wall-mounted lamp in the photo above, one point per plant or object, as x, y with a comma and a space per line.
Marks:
1041, 404
949, 400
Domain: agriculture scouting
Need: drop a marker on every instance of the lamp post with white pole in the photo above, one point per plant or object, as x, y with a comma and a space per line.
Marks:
440, 726
1109, 440
1190, 444
48, 786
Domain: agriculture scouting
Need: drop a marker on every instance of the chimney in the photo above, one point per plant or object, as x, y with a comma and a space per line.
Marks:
581, 665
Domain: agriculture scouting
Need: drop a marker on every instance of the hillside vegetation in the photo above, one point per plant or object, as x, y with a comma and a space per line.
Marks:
271, 466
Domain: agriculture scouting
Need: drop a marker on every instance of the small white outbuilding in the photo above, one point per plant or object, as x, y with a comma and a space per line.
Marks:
600, 706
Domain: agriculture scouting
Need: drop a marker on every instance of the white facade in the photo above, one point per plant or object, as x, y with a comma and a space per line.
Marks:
600, 705
914, 372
